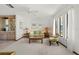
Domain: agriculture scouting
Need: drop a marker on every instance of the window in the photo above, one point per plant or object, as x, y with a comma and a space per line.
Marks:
61, 26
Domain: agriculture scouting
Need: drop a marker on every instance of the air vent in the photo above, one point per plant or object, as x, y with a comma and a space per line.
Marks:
9, 5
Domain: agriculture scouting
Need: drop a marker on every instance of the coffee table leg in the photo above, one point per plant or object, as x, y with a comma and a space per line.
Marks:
29, 40
57, 43
42, 41
50, 43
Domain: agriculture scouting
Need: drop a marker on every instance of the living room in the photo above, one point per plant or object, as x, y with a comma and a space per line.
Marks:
36, 20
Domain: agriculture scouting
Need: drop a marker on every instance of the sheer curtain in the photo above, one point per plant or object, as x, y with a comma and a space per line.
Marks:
54, 29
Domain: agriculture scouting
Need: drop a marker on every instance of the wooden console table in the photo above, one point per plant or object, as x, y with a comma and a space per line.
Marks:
36, 38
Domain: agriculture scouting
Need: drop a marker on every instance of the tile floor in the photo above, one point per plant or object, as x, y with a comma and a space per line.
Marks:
22, 47
4, 44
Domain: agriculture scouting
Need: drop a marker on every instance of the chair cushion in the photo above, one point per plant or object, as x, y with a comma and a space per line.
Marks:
36, 33
54, 39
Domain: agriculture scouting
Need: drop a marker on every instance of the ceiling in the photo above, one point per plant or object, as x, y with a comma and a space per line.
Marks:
38, 9
42, 8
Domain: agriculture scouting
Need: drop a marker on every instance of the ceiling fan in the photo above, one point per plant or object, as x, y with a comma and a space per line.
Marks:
10, 5
31, 11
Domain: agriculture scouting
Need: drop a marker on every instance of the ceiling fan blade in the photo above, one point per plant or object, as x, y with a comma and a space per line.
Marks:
9, 5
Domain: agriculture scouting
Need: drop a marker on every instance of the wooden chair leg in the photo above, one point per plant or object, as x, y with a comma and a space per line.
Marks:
29, 41
42, 41
57, 43
50, 43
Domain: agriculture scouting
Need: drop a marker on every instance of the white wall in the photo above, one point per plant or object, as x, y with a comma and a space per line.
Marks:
76, 28
21, 24
71, 39
73, 26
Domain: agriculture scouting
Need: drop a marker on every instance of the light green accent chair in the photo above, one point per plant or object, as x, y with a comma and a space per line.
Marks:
54, 39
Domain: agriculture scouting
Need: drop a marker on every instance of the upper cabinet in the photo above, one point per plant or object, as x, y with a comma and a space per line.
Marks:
7, 23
